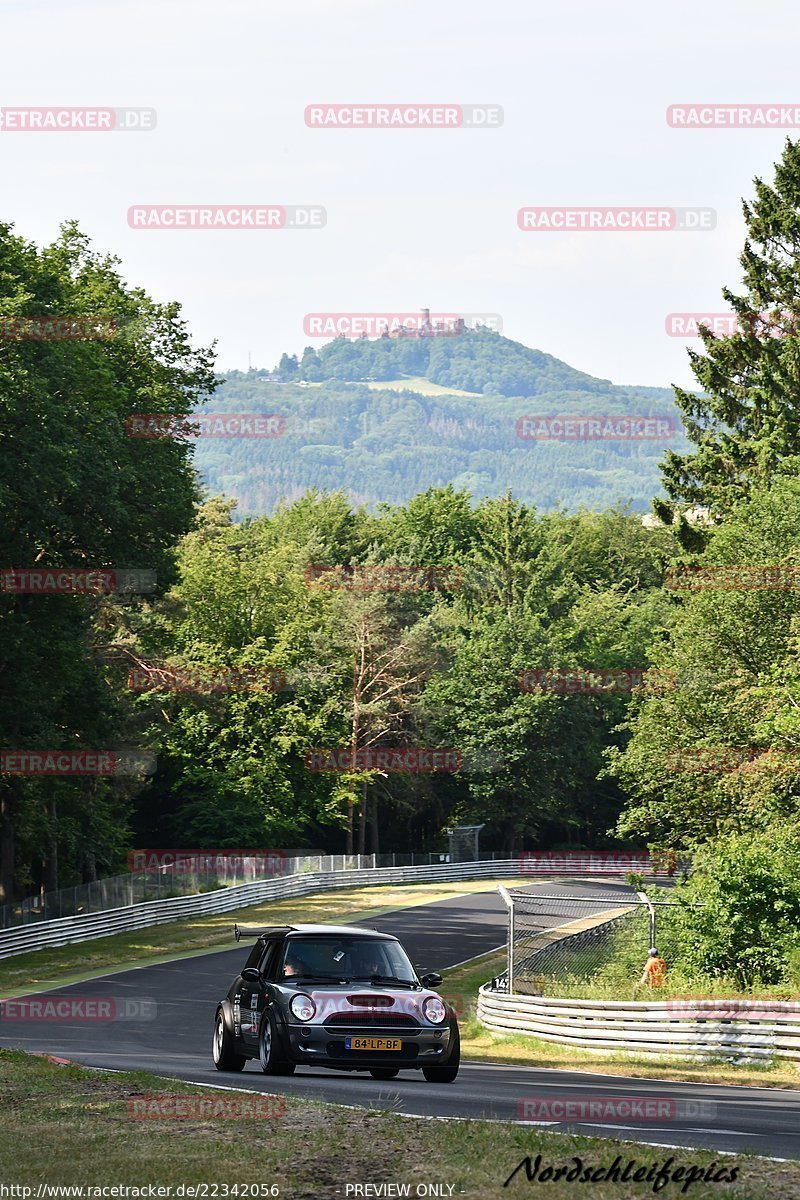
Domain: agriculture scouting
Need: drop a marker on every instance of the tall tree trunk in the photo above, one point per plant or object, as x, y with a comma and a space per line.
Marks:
90, 862
362, 820
355, 727
373, 827
6, 848
50, 863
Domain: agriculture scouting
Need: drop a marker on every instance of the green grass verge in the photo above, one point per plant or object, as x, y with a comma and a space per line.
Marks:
419, 384
66, 1125
480, 1044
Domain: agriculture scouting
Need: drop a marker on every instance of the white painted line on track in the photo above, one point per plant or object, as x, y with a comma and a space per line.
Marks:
661, 1129
425, 1117
609, 1075
639, 1141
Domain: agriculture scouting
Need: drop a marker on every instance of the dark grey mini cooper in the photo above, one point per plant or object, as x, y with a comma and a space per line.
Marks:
334, 996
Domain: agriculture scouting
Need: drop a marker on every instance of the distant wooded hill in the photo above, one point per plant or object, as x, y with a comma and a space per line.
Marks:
344, 431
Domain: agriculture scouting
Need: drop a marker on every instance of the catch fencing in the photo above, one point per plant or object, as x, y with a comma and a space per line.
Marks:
558, 942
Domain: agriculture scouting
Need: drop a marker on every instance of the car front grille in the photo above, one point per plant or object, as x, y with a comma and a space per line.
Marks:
364, 1020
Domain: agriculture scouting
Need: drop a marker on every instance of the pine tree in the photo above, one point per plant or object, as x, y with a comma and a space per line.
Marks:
745, 425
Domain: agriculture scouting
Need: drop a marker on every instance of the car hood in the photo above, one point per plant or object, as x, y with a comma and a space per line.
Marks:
371, 1002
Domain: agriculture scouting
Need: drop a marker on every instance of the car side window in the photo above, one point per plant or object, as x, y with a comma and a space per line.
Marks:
269, 958
255, 955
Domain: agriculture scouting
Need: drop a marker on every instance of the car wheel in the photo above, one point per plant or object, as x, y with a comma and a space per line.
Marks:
448, 1072
222, 1048
383, 1072
269, 1049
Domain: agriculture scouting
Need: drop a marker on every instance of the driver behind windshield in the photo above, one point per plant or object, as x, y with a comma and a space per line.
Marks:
294, 964
367, 963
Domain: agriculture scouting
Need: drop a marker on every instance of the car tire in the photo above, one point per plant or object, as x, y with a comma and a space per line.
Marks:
223, 1051
448, 1072
270, 1056
384, 1072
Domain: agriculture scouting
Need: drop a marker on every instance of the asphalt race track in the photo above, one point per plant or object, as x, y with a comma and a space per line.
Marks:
177, 1041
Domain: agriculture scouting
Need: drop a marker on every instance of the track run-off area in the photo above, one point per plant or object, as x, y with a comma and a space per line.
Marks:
169, 1010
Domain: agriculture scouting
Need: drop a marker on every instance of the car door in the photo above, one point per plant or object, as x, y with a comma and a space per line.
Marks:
253, 997
241, 991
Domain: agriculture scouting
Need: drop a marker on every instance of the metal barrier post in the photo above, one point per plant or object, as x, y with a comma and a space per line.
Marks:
646, 900
508, 901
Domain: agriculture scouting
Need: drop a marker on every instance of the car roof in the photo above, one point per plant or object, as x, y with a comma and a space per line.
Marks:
338, 931
313, 931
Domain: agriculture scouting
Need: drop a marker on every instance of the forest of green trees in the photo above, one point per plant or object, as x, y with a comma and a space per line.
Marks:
381, 445
301, 607
474, 360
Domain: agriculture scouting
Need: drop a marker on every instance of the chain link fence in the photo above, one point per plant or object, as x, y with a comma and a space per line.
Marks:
583, 939
138, 887
465, 843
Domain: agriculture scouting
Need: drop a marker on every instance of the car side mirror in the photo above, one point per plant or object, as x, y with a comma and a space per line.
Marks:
432, 979
251, 975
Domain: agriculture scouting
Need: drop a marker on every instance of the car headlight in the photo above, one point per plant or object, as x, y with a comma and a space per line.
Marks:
434, 1010
302, 1007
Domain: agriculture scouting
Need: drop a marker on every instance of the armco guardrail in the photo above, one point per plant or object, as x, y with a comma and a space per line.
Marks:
65, 930
759, 1029
165, 874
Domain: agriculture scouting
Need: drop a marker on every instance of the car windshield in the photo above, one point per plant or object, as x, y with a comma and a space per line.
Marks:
328, 958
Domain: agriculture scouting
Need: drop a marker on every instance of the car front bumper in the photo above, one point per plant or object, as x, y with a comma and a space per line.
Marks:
325, 1045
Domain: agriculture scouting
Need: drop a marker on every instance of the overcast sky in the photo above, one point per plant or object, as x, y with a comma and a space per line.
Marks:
414, 217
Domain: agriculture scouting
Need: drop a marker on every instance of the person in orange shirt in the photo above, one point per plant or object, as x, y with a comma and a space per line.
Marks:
655, 970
